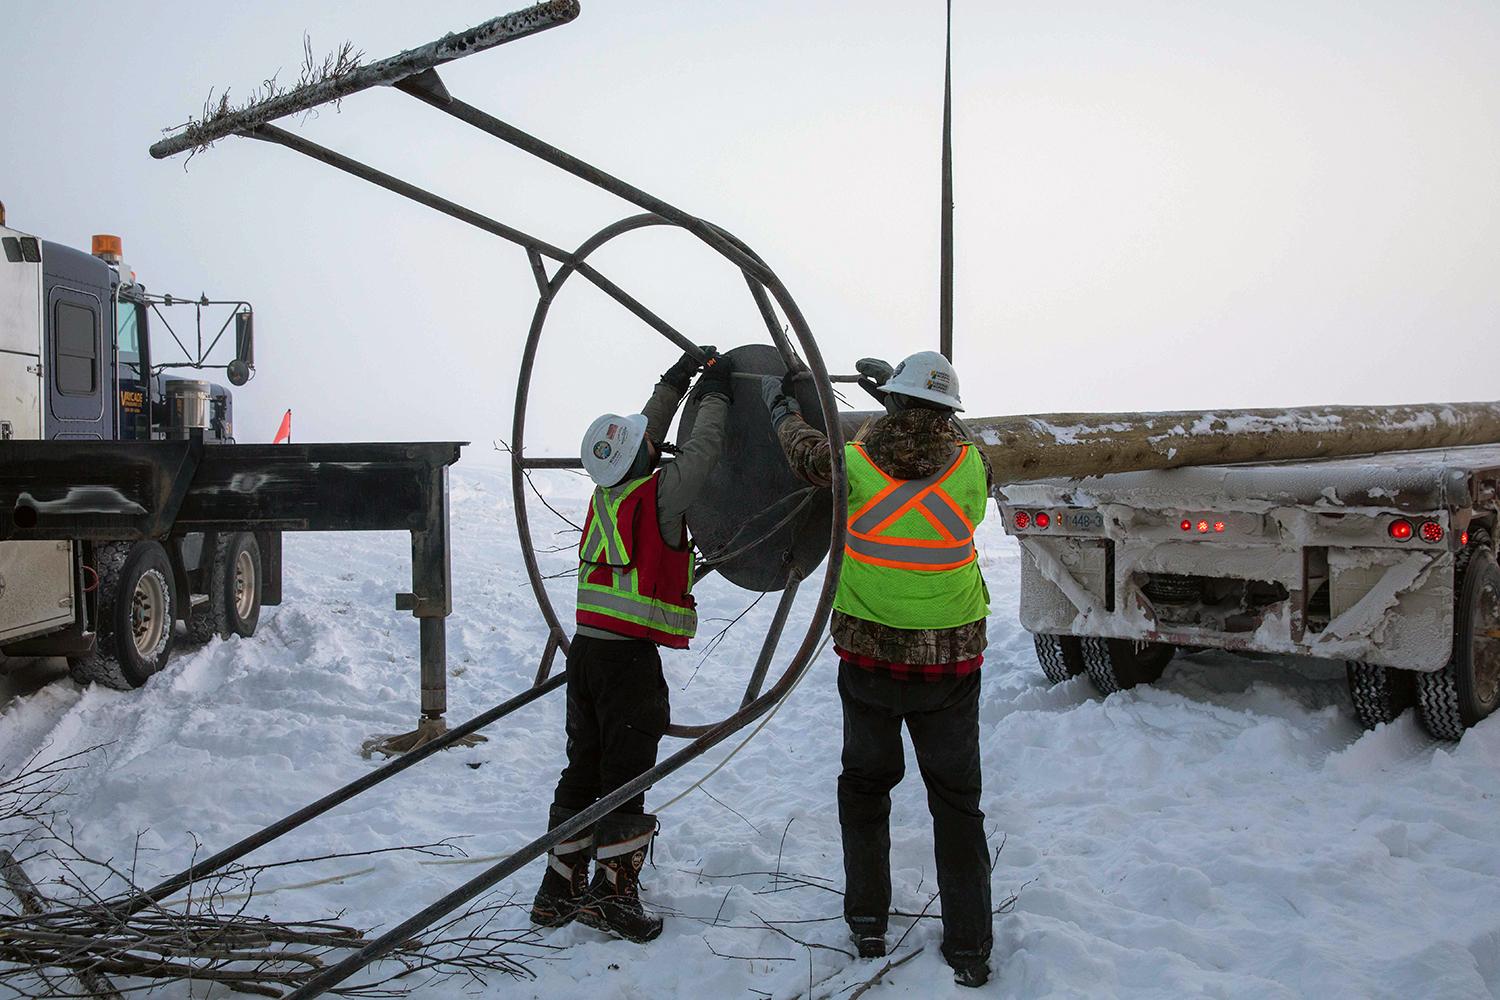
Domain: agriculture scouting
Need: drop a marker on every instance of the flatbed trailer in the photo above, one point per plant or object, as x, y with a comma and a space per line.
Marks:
94, 495
1386, 562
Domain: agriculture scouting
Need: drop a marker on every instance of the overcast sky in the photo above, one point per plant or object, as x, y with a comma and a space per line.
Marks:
1159, 205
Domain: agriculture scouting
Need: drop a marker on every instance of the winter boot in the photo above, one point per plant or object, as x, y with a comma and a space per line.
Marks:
566, 882
972, 974
614, 898
868, 935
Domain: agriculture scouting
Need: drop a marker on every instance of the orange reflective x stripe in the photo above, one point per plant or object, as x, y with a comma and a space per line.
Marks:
869, 540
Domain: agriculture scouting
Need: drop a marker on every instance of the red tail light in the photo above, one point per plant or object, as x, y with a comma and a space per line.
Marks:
1187, 525
1401, 529
1432, 531
1219, 526
1023, 520
1043, 519
1202, 527
1463, 539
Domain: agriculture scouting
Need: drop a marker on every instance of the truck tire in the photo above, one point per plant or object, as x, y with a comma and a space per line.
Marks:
1120, 664
234, 589
1468, 688
134, 632
1061, 656
1380, 694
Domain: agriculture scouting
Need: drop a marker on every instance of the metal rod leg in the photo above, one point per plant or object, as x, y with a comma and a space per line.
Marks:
773, 638
434, 641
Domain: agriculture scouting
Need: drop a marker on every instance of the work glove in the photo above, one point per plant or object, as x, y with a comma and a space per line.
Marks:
717, 379
875, 370
777, 401
681, 374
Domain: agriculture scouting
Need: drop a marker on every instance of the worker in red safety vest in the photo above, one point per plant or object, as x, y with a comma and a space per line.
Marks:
635, 580
909, 629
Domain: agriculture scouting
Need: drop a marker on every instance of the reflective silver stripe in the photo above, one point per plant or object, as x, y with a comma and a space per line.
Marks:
900, 497
640, 607
921, 555
625, 846
949, 518
564, 870
573, 846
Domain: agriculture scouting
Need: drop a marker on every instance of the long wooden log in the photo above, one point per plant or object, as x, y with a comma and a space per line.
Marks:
1057, 445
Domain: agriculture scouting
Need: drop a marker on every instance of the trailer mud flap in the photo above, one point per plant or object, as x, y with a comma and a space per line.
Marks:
1366, 617
1052, 568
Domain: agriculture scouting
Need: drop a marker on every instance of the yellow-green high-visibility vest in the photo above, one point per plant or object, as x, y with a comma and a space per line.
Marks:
909, 558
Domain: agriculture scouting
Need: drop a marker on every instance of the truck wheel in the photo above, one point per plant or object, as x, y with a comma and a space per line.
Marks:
134, 633
1380, 694
1061, 656
233, 606
1119, 664
1468, 688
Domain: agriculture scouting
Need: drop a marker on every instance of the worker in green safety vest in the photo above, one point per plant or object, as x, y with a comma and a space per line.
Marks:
909, 630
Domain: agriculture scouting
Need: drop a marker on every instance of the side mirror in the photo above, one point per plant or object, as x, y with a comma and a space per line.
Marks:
244, 348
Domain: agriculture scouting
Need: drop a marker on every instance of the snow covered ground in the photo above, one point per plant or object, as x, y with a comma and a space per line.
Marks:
1229, 832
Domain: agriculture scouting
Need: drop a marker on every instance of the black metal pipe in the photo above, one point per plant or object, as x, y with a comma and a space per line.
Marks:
549, 153
496, 31
533, 245
550, 463
363, 783
945, 305
773, 638
292, 141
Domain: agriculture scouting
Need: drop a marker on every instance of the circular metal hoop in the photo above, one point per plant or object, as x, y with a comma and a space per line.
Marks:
761, 281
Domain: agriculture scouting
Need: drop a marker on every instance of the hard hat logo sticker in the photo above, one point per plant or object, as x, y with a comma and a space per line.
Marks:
602, 451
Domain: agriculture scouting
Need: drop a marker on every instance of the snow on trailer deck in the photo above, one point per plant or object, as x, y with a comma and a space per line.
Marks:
1400, 480
1228, 832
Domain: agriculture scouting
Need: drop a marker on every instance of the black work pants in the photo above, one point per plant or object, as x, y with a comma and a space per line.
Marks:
943, 719
617, 712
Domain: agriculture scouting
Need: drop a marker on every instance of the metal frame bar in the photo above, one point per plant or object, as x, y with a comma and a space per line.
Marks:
535, 247
773, 638
518, 435
421, 82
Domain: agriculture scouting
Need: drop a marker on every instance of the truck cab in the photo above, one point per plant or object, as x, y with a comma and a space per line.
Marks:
77, 364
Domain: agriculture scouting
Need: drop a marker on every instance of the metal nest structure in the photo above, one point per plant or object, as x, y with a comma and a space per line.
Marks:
787, 539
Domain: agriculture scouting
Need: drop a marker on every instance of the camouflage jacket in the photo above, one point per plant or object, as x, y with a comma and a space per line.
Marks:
911, 444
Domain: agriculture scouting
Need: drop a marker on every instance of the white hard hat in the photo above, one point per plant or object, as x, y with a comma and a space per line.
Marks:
610, 446
926, 375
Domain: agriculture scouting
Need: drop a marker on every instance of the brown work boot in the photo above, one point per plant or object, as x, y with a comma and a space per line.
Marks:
614, 899
566, 882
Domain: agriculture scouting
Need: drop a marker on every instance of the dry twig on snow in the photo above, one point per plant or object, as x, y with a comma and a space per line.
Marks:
74, 937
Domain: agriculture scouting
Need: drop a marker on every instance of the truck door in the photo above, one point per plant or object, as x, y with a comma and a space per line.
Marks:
133, 365
75, 366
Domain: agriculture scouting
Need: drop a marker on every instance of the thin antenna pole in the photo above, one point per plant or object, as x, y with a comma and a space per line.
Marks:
945, 316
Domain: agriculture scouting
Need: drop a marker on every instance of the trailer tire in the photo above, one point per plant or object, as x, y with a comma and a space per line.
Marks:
1120, 664
1467, 689
1061, 656
1380, 694
234, 589
135, 627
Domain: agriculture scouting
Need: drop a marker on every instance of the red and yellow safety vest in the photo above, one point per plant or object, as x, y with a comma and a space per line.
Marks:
909, 558
630, 581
